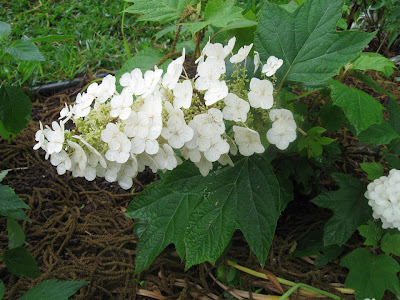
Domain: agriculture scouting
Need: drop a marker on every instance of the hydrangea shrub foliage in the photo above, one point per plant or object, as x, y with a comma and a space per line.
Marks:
212, 137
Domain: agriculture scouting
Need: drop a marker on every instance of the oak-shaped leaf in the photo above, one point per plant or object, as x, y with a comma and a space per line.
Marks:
307, 41
350, 209
371, 275
199, 214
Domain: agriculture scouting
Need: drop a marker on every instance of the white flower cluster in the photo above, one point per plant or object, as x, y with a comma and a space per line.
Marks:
383, 196
157, 119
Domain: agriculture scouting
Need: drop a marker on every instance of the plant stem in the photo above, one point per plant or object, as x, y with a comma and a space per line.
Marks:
302, 286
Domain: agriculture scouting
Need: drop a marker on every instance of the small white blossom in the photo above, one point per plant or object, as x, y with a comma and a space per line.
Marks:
216, 91
166, 158
281, 136
174, 71
261, 93
204, 165
257, 61
248, 141
183, 93
133, 82
236, 109
106, 89
217, 148
55, 137
272, 65
241, 55
62, 161
120, 106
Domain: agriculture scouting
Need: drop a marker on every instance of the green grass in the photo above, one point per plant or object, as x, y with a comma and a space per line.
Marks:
96, 42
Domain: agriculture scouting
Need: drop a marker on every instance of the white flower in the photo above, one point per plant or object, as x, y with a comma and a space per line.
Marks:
241, 55
204, 165
177, 132
126, 173
226, 160
111, 171
79, 156
106, 89
216, 91
137, 125
218, 147
257, 61
120, 106
174, 71
95, 153
208, 73
139, 145
193, 154
118, 143
62, 161
166, 158
152, 80
248, 141
236, 109
133, 82
261, 93
272, 65
183, 93
55, 137
66, 113
282, 117
40, 138
281, 136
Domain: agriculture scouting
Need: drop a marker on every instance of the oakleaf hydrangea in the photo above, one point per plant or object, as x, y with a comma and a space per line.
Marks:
158, 120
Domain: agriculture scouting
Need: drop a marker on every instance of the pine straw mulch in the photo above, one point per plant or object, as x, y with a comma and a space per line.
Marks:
79, 232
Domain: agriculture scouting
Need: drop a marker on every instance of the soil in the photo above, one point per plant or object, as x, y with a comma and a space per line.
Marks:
79, 232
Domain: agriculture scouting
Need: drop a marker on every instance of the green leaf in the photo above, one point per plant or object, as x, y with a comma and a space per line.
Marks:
371, 275
199, 214
368, 80
1, 289
393, 161
394, 115
17, 214
2, 175
9, 199
166, 213
381, 134
53, 289
16, 235
332, 117
145, 60
372, 233
361, 109
307, 41
53, 38
350, 209
20, 262
373, 169
5, 30
313, 141
374, 61
162, 11
15, 111
391, 243
25, 50
312, 244
222, 12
